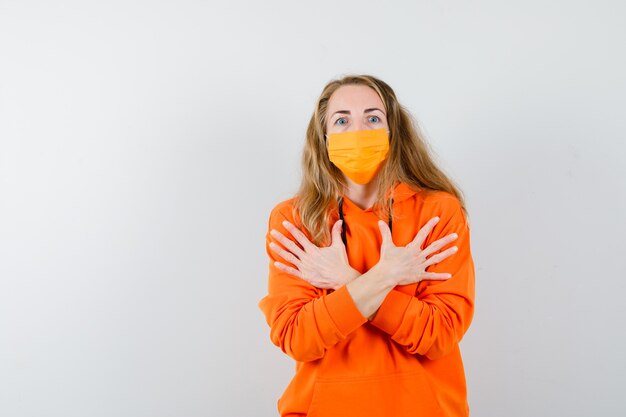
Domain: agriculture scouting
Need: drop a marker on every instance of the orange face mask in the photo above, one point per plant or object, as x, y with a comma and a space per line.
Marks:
360, 153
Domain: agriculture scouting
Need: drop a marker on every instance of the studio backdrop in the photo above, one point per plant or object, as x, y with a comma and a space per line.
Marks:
144, 143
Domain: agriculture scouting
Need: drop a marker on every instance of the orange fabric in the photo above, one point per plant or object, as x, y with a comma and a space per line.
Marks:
405, 361
359, 153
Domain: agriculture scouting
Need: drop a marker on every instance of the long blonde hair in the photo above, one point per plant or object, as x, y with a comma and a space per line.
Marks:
409, 160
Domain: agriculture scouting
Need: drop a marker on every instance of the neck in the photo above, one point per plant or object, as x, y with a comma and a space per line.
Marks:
363, 195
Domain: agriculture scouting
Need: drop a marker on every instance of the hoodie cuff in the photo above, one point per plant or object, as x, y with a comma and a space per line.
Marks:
343, 312
391, 312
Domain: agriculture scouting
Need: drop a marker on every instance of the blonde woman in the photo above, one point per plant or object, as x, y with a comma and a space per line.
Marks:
371, 278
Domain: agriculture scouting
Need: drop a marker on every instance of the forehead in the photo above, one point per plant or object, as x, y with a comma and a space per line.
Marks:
354, 97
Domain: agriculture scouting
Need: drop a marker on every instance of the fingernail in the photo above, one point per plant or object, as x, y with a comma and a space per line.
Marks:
285, 222
454, 235
436, 219
273, 232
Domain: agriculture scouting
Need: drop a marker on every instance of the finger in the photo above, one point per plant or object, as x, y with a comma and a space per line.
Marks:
440, 276
287, 243
300, 237
440, 256
438, 244
286, 255
336, 233
420, 237
385, 233
288, 269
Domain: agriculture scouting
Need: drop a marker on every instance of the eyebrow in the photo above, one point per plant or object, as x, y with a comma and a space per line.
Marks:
366, 111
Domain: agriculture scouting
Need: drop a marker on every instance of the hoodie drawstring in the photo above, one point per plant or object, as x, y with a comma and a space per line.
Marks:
343, 222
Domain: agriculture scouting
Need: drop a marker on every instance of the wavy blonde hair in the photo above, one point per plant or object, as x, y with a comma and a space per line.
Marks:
409, 160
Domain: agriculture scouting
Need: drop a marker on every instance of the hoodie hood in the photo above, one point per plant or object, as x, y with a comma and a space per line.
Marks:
402, 191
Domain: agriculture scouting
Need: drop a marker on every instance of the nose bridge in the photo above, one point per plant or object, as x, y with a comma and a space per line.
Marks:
358, 123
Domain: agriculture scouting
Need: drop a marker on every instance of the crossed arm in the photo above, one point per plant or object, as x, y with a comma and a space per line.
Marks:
305, 320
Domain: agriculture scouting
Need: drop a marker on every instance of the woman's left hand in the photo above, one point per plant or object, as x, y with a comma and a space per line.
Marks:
325, 267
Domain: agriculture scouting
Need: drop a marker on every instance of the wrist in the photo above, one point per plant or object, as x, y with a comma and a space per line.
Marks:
385, 274
351, 274
348, 275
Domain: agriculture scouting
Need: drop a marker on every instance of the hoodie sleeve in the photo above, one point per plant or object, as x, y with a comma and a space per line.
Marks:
432, 322
304, 320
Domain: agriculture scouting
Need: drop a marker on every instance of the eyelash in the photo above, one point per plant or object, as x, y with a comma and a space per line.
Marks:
345, 121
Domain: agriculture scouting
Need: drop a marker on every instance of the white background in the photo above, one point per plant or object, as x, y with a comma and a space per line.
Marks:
143, 144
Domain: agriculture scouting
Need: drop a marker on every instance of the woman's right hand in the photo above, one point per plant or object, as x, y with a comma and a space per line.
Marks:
323, 267
407, 264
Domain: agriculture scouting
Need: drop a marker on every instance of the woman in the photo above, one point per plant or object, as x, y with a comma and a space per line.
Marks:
364, 291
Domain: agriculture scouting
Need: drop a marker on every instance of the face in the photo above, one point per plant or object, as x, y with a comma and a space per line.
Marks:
355, 107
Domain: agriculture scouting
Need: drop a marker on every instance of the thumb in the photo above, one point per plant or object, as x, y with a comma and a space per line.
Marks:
385, 233
336, 233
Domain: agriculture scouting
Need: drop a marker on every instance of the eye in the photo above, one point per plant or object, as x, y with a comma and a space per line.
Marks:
341, 121
374, 119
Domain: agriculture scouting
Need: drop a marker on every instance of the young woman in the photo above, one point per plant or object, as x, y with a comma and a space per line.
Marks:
365, 291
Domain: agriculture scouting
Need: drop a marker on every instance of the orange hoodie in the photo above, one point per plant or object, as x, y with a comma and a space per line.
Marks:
405, 361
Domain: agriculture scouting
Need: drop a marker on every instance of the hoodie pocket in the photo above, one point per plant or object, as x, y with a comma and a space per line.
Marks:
395, 395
